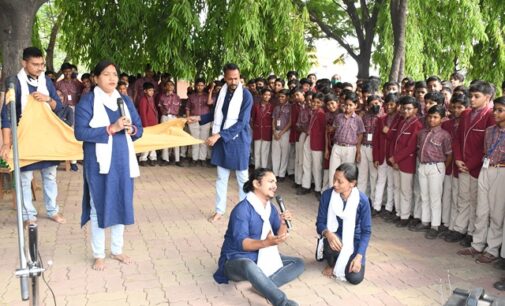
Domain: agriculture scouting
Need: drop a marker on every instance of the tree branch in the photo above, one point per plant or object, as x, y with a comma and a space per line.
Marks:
353, 14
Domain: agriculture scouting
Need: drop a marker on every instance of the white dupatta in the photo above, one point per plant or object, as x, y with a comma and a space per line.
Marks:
39, 82
233, 108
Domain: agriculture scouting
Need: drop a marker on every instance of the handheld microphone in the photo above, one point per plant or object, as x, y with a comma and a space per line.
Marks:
120, 105
280, 202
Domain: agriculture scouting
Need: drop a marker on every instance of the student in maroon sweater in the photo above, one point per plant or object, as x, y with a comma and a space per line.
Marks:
468, 155
403, 156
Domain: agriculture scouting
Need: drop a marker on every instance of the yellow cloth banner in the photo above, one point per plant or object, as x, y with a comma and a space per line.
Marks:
44, 136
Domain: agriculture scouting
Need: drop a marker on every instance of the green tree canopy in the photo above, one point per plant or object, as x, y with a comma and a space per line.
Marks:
187, 37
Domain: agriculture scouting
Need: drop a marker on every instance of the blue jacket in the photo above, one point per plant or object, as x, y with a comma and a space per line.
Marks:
232, 150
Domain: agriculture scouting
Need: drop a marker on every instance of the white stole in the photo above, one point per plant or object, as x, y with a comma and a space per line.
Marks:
39, 83
269, 259
348, 216
101, 119
233, 108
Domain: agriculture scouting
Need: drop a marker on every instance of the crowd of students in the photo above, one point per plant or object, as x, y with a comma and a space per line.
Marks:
431, 153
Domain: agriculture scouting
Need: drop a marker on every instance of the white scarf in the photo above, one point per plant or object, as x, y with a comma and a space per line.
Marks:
348, 216
233, 108
101, 119
39, 83
269, 259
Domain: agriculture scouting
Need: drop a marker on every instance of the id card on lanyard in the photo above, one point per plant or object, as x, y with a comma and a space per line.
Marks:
486, 161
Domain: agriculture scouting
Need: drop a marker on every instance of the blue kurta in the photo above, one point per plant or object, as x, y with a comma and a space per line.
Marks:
113, 192
232, 150
244, 223
363, 229
6, 121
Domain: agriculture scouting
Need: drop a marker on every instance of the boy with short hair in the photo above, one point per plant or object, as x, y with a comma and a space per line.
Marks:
149, 116
169, 104
434, 153
403, 159
261, 121
302, 125
490, 212
197, 105
434, 83
468, 154
281, 125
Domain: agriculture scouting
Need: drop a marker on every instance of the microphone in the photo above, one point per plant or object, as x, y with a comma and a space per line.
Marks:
280, 202
120, 105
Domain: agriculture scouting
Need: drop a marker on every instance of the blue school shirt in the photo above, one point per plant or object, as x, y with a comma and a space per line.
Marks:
6, 120
244, 223
232, 150
363, 229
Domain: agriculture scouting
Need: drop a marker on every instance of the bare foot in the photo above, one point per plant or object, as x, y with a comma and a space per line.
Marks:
328, 271
215, 217
99, 264
58, 218
122, 258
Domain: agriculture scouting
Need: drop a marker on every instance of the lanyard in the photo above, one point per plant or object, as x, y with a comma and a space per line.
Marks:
495, 145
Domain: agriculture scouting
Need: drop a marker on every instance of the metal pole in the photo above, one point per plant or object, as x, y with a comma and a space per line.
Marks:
11, 96
34, 263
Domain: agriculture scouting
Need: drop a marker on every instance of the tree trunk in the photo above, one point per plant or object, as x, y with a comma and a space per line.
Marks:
399, 20
16, 22
52, 43
364, 63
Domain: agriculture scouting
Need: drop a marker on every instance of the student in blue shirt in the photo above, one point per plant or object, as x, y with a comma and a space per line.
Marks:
249, 250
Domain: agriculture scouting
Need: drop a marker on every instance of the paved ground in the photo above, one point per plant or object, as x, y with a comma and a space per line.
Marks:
176, 251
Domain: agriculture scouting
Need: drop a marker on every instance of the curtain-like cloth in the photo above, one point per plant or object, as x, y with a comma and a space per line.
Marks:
44, 136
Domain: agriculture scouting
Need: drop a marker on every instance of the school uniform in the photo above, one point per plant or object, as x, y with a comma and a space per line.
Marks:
169, 105
450, 193
261, 117
302, 125
367, 171
293, 138
197, 106
468, 147
280, 148
403, 150
149, 117
313, 149
138, 88
345, 140
491, 194
433, 147
381, 154
71, 90
330, 117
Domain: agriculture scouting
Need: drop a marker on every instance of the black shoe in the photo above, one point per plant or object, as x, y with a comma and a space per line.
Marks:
499, 264
142, 163
164, 163
413, 223
179, 164
151, 163
500, 285
442, 229
454, 237
386, 214
375, 213
281, 179
420, 227
74, 167
302, 191
403, 223
467, 241
318, 195
291, 177
295, 185
393, 219
431, 233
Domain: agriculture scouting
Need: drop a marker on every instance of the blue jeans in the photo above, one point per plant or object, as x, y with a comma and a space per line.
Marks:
246, 269
222, 186
50, 192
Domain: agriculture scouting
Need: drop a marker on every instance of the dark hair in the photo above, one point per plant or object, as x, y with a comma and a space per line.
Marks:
147, 85
296, 89
283, 92
391, 83
230, 66
391, 97
260, 80
433, 78
457, 76
199, 80
305, 81
448, 89
407, 80
48, 72
421, 84
319, 96
251, 82
351, 96
323, 85
280, 81
311, 74
257, 174
438, 109
409, 83
292, 73
31, 52
309, 93
373, 98
272, 76
460, 98
265, 90
350, 171
481, 86
330, 97
123, 75
346, 84
293, 81
66, 66
435, 97
121, 83
404, 100
100, 67
368, 87
85, 76
461, 88
500, 100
